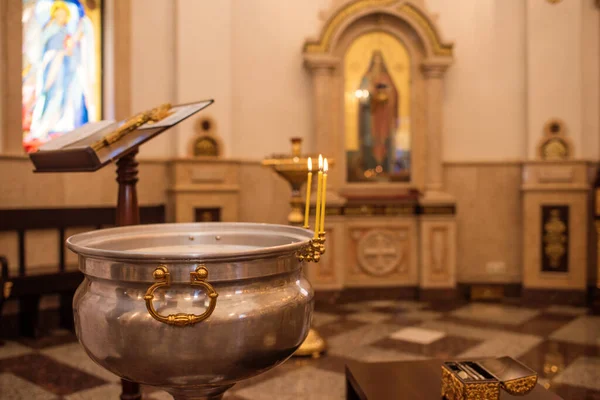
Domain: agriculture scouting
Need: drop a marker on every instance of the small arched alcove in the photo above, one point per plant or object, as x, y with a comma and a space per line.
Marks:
377, 69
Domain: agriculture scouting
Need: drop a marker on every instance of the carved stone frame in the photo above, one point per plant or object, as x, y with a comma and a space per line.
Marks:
430, 57
117, 25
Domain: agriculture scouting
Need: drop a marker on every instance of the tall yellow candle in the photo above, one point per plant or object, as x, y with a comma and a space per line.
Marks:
324, 195
308, 187
319, 185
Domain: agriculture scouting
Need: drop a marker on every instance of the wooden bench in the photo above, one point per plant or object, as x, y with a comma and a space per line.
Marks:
28, 288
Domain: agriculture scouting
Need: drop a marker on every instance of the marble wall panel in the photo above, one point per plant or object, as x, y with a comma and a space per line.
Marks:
488, 220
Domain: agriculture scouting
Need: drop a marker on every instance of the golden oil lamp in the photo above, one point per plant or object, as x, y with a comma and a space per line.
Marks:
294, 168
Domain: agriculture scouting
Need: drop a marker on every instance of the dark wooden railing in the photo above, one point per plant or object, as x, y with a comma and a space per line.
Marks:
28, 288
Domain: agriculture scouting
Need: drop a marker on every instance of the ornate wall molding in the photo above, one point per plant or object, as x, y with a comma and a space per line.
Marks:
380, 253
555, 145
406, 11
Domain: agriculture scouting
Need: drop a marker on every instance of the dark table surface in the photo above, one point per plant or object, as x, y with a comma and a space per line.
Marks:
414, 380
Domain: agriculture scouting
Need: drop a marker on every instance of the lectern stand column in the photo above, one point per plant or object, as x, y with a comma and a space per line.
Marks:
128, 213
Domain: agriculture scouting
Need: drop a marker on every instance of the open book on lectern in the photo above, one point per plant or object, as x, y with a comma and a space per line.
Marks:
96, 144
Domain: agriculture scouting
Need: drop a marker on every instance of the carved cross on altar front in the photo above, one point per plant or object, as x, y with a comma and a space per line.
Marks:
379, 253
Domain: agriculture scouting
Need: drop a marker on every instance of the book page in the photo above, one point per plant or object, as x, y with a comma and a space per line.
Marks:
76, 135
177, 114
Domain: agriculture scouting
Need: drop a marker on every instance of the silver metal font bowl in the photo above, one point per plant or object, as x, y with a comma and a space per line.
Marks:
192, 308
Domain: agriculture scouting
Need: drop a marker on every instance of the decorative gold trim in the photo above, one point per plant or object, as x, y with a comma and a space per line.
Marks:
197, 278
453, 388
399, 210
151, 116
437, 210
7, 289
521, 386
439, 48
439, 270
323, 44
555, 238
359, 210
313, 250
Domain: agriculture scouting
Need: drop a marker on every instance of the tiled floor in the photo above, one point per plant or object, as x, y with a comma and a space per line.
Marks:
561, 343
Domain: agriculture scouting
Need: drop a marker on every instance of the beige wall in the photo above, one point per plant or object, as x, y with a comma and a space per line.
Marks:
555, 66
590, 131
203, 64
152, 58
271, 89
484, 98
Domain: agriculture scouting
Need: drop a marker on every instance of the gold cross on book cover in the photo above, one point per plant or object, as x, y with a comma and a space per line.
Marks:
96, 144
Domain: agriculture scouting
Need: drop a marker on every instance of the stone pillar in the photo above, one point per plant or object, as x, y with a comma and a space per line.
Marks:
556, 185
322, 68
437, 223
434, 73
326, 95
10, 76
555, 231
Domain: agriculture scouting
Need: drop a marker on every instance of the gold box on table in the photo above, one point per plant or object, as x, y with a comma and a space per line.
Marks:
483, 379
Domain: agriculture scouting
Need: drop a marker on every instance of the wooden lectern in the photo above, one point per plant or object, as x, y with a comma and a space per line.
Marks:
93, 147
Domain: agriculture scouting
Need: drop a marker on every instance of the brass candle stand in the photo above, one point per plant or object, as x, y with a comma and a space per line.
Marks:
314, 250
293, 168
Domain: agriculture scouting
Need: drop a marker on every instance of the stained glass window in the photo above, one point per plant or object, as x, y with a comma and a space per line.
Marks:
62, 67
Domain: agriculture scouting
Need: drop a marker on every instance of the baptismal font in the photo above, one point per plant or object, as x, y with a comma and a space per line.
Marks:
191, 308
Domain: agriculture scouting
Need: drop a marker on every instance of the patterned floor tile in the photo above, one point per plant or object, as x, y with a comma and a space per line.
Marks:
329, 362
382, 303
551, 357
305, 383
445, 306
321, 318
569, 392
228, 396
411, 305
417, 335
333, 308
421, 315
73, 355
567, 310
159, 395
346, 342
292, 364
583, 330
14, 388
371, 317
104, 392
378, 354
53, 338
508, 344
49, 374
544, 324
13, 349
463, 330
356, 306
335, 328
548, 339
444, 348
496, 313
583, 372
